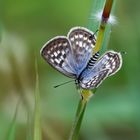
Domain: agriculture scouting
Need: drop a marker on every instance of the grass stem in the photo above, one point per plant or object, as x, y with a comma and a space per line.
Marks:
86, 94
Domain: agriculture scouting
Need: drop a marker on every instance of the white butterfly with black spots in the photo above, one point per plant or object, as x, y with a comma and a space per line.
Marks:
72, 55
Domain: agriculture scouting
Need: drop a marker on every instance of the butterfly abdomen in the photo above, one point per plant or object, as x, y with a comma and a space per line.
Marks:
93, 60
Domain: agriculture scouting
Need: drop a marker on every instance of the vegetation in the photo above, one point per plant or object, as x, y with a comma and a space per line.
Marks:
113, 113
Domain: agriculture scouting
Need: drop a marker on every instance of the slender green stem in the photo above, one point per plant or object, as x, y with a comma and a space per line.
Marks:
86, 95
78, 119
103, 23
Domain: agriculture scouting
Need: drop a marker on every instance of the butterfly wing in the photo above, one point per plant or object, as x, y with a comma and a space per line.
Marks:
57, 52
82, 43
106, 66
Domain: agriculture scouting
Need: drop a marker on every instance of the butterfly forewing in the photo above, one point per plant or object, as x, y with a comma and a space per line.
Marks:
82, 45
107, 65
70, 54
57, 52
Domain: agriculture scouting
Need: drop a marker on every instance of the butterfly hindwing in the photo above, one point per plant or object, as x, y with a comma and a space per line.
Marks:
94, 80
114, 61
106, 66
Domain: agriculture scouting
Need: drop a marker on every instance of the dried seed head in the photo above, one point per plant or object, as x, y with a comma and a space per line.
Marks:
98, 17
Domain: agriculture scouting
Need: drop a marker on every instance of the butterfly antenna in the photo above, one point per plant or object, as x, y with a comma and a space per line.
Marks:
96, 32
63, 83
92, 36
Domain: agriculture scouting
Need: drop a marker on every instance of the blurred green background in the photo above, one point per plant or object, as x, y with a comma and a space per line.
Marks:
113, 113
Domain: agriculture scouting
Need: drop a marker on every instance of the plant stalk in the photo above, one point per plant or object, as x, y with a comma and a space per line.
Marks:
103, 23
86, 94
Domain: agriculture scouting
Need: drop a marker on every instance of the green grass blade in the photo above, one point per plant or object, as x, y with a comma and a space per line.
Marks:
11, 135
78, 120
37, 121
29, 126
93, 24
102, 40
0, 31
107, 32
12, 131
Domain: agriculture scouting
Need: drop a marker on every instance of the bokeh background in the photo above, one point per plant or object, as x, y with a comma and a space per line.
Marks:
113, 113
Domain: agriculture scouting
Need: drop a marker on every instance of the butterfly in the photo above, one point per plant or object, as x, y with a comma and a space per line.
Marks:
72, 55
